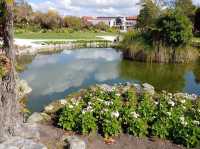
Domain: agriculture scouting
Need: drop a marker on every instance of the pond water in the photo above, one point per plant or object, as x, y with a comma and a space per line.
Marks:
53, 76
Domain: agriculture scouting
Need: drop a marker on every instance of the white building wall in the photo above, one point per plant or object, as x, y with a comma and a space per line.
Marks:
111, 22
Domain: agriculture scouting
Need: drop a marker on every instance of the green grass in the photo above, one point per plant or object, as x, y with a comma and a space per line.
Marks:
55, 35
196, 39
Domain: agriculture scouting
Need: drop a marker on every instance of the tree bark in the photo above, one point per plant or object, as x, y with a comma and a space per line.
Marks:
10, 118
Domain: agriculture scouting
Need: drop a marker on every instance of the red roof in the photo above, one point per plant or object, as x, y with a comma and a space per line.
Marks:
131, 18
87, 18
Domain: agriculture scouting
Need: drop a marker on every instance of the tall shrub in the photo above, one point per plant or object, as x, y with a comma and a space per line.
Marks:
174, 28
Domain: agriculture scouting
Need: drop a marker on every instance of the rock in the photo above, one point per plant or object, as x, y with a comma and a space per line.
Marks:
38, 118
75, 143
63, 101
29, 131
128, 84
22, 88
55, 106
125, 89
21, 143
46, 117
186, 96
106, 87
35, 118
148, 88
138, 88
48, 108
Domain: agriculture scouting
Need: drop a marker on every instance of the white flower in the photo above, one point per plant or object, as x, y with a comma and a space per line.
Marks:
76, 103
170, 95
73, 100
183, 101
89, 108
113, 88
135, 115
170, 102
196, 122
156, 103
115, 114
83, 111
104, 110
182, 119
169, 113
118, 95
108, 103
71, 106
63, 102
183, 122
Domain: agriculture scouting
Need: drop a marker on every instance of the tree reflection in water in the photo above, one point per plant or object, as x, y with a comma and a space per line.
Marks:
168, 77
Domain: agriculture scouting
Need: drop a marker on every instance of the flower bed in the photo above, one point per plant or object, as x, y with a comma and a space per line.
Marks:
123, 110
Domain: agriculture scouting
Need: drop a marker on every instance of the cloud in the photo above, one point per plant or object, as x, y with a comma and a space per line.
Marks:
97, 54
49, 74
196, 2
88, 7
107, 72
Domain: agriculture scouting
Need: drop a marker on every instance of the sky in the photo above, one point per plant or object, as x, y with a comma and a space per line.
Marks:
90, 7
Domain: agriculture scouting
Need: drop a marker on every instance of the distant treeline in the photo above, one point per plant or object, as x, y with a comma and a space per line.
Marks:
25, 17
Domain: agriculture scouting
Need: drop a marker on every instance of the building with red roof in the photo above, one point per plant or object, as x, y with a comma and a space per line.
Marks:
123, 23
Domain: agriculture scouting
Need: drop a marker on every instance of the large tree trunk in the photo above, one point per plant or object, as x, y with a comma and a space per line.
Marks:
10, 118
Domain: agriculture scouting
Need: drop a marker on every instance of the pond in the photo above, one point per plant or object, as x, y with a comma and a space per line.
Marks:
53, 76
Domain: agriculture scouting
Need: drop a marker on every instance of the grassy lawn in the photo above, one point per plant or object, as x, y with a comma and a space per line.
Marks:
55, 35
196, 39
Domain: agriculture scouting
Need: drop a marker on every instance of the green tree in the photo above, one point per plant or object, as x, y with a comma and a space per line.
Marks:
148, 14
73, 22
49, 20
22, 14
174, 28
186, 6
102, 26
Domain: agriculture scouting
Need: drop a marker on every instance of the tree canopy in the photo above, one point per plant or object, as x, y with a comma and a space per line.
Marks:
149, 12
186, 6
197, 21
175, 29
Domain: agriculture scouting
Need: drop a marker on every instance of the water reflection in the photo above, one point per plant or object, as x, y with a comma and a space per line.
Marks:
54, 76
162, 76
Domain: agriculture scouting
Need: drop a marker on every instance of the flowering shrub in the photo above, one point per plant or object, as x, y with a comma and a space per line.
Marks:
87, 123
121, 109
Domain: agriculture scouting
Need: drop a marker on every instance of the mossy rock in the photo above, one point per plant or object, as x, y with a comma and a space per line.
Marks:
55, 106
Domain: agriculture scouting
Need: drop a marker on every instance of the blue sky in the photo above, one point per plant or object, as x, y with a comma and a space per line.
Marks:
90, 7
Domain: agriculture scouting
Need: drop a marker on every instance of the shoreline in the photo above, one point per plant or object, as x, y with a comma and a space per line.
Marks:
140, 88
49, 115
34, 46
